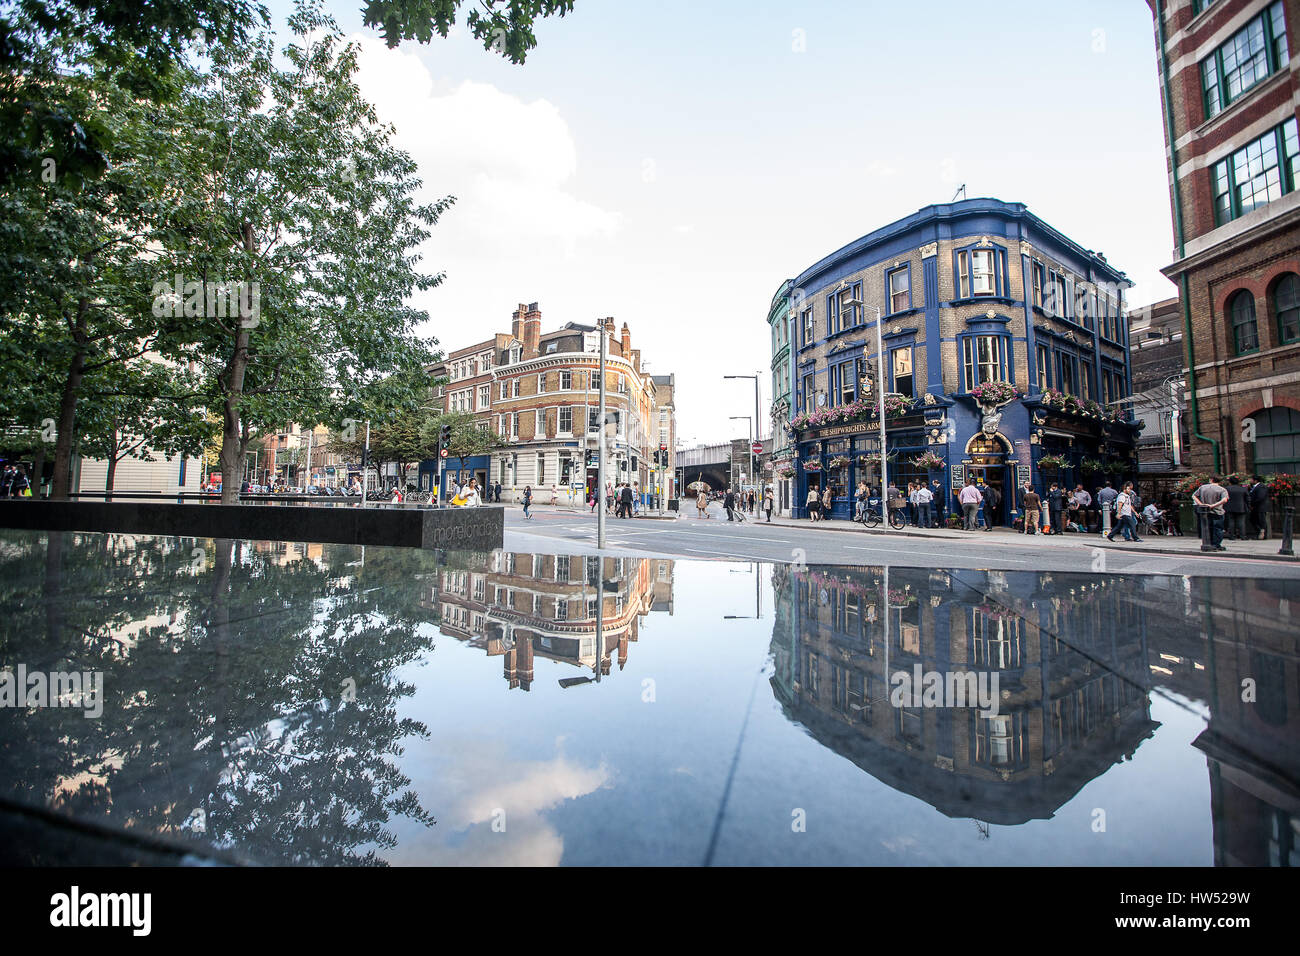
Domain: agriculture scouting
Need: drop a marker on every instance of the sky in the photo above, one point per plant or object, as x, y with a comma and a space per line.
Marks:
670, 164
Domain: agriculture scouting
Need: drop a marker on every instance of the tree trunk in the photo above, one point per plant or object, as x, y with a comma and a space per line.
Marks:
62, 485
232, 442
38, 469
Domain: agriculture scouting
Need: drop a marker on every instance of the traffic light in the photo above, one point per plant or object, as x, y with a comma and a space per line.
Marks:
444, 435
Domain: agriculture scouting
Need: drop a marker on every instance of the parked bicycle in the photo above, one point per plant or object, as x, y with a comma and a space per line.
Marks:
870, 517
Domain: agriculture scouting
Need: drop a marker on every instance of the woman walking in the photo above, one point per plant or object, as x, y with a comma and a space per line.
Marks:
814, 504
768, 501
528, 499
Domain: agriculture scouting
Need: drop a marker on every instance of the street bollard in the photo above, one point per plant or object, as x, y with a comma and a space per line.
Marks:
1205, 529
1288, 519
1105, 518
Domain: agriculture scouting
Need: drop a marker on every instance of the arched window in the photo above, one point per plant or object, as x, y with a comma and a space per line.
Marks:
1245, 331
1277, 441
1286, 306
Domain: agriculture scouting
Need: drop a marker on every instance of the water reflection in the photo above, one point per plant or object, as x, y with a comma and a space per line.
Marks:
574, 609
326, 704
1077, 658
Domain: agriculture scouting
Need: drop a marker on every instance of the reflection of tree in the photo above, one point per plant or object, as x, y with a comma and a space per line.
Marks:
224, 693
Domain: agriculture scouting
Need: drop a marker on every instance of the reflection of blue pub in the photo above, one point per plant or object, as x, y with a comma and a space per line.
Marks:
974, 296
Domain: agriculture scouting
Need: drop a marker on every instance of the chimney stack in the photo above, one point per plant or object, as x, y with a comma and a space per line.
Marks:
626, 342
532, 329
517, 326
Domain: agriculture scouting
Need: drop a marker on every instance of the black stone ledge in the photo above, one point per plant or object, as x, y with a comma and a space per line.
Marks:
458, 529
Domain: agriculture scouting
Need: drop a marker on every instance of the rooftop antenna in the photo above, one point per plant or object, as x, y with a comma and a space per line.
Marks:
961, 191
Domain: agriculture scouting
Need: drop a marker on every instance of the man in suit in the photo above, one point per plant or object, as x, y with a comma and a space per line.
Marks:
1258, 500
1238, 505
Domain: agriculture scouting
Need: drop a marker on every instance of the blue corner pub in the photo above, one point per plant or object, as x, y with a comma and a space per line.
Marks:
1006, 355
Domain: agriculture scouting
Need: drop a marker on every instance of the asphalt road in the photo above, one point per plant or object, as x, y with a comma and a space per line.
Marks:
554, 531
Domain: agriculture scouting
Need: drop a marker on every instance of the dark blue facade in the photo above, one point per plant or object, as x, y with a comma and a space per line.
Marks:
969, 293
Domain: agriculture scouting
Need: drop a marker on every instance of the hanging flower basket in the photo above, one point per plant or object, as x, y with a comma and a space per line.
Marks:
873, 458
994, 393
896, 405
1117, 467
1091, 465
839, 461
812, 466
785, 471
928, 461
1053, 463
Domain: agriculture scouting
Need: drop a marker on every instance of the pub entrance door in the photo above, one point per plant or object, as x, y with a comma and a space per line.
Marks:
988, 465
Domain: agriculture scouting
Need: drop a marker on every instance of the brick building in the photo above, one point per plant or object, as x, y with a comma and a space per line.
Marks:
1159, 396
539, 393
1230, 92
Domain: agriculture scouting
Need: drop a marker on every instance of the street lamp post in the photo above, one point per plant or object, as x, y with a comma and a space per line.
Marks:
880, 411
753, 461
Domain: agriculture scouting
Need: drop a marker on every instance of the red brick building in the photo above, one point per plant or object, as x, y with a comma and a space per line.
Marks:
1230, 90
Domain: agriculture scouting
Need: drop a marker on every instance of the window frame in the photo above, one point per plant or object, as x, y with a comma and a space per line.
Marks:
904, 270
1294, 308
1236, 324
1224, 172
1216, 93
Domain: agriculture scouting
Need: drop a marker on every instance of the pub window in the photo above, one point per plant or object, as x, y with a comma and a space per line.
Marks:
900, 289
1286, 306
902, 367
1043, 364
566, 381
1036, 273
984, 359
808, 332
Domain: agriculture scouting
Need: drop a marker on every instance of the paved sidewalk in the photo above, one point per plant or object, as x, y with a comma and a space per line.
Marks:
1154, 544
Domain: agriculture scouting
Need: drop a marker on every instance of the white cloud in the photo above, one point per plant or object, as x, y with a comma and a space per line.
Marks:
508, 162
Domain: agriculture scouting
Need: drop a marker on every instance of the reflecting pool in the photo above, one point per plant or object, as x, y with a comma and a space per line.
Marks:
192, 700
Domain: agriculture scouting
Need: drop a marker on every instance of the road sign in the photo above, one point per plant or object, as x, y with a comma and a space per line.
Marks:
442, 453
756, 448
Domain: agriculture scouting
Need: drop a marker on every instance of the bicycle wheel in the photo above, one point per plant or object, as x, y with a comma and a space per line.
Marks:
896, 520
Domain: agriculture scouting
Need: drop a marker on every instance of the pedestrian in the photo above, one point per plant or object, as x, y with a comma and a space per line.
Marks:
769, 499
860, 502
940, 503
1212, 498
924, 497
528, 499
992, 499
1125, 514
1033, 507
20, 486
729, 503
827, 501
1056, 506
814, 504
1238, 505
7, 481
970, 498
1258, 499
626, 500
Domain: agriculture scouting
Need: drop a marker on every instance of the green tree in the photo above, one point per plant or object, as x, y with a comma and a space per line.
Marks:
502, 26
306, 203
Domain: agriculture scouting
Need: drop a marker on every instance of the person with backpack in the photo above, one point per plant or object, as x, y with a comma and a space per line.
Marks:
1126, 515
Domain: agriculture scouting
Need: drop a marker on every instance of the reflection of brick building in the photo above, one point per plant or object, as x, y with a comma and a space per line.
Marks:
1253, 684
1230, 90
1071, 660
521, 607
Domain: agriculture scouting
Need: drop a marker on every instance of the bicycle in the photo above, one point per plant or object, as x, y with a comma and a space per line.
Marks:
870, 517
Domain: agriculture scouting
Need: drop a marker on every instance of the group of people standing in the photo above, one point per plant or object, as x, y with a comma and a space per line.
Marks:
14, 482
1233, 505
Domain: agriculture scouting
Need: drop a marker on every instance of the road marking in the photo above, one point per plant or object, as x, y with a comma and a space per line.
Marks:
710, 534
941, 554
